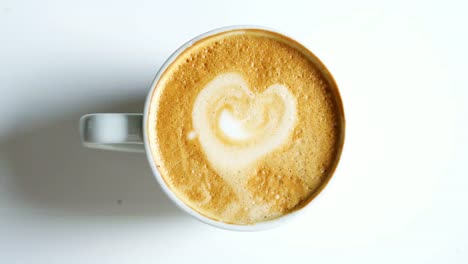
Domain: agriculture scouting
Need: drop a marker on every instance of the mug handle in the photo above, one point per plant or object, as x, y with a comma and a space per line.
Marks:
119, 132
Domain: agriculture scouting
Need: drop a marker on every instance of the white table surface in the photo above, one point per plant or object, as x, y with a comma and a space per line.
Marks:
400, 194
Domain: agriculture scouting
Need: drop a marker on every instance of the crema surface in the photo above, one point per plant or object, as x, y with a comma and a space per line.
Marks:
245, 126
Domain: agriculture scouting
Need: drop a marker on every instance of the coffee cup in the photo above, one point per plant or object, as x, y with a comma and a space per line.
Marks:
236, 152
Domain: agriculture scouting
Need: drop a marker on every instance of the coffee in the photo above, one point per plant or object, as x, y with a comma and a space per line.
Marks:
245, 126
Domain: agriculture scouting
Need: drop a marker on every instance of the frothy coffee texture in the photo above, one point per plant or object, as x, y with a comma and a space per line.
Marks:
245, 126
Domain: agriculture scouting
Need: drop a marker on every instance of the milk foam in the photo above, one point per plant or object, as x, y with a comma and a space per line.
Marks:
232, 127
237, 127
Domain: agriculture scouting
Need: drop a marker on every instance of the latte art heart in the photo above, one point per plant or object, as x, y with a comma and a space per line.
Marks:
236, 126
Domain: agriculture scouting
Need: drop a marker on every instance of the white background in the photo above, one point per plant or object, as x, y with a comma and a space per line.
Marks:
399, 194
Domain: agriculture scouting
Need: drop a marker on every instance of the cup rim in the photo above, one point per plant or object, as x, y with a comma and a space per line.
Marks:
264, 225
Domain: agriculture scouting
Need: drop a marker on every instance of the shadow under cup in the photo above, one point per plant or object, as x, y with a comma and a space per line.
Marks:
132, 132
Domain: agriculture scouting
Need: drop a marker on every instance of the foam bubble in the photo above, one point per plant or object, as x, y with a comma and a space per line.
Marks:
192, 135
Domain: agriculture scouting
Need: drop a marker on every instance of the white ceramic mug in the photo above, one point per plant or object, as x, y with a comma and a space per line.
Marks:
127, 132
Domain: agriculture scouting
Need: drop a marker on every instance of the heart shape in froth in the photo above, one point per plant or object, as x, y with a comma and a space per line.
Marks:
236, 126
